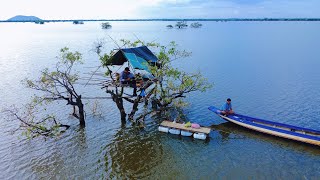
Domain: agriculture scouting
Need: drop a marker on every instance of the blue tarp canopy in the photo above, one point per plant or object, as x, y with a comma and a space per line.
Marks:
138, 57
136, 61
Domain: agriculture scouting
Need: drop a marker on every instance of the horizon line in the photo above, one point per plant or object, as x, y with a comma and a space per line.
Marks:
170, 19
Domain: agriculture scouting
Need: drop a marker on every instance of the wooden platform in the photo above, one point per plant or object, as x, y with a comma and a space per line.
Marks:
182, 127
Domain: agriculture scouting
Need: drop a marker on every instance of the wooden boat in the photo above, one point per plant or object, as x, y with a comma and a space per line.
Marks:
273, 128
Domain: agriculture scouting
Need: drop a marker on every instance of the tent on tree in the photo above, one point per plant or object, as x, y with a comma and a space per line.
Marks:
135, 58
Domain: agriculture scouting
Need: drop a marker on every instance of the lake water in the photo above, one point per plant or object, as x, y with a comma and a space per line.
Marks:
269, 70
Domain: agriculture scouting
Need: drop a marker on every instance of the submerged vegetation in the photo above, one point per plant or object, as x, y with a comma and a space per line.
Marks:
181, 24
196, 25
106, 25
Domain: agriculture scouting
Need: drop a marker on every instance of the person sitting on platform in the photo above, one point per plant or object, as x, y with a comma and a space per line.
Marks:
127, 77
226, 108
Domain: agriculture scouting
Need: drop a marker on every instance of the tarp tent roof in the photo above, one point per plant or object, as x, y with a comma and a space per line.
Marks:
138, 57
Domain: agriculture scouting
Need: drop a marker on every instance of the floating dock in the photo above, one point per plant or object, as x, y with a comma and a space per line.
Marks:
177, 128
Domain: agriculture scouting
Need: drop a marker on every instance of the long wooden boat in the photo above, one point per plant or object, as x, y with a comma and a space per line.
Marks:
273, 128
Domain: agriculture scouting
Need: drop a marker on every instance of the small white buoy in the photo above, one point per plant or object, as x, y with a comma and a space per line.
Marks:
200, 136
174, 131
163, 129
186, 133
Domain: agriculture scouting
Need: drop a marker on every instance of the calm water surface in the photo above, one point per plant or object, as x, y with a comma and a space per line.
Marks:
269, 69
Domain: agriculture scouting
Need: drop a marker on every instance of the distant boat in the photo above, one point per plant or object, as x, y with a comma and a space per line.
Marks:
273, 128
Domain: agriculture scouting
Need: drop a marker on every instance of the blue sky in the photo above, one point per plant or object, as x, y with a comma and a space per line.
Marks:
119, 9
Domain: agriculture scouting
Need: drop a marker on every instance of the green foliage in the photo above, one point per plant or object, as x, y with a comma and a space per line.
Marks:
175, 83
54, 82
33, 124
69, 58
45, 126
106, 60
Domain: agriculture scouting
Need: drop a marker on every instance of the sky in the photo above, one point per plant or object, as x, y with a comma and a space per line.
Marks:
144, 9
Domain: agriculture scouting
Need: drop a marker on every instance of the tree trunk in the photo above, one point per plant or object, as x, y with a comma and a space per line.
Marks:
119, 101
123, 116
134, 107
117, 98
154, 104
81, 112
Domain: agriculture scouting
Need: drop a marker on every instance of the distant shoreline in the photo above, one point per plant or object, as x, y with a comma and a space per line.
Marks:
217, 20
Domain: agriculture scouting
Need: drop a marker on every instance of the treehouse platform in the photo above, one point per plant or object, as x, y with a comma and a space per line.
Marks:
139, 84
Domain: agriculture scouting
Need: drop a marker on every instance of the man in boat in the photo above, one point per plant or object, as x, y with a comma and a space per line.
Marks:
127, 77
226, 108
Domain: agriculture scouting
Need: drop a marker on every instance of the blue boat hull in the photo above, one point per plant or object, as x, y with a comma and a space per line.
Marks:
273, 128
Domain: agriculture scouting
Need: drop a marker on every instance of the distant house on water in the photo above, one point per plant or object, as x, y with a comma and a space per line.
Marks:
77, 22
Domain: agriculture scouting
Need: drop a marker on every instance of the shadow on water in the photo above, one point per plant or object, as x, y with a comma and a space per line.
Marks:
227, 130
132, 153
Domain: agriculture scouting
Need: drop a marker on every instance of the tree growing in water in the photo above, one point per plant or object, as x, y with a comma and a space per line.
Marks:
196, 25
106, 25
167, 88
59, 84
165, 91
52, 85
181, 24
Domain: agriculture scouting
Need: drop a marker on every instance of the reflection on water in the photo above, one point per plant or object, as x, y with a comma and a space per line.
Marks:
133, 154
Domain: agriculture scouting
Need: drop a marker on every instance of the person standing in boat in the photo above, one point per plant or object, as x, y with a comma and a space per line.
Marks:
127, 77
226, 108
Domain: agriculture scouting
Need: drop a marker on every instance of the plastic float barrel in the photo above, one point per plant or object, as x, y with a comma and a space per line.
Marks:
200, 136
163, 129
174, 131
186, 133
